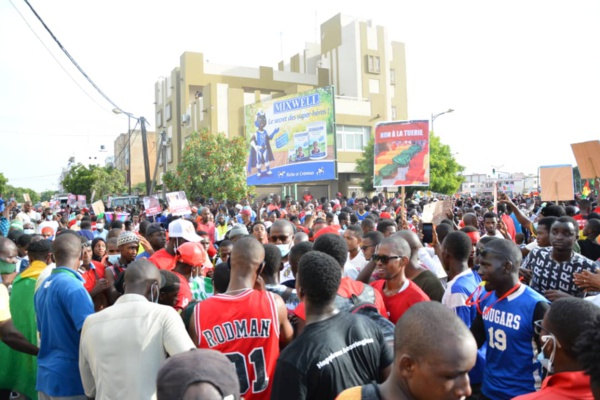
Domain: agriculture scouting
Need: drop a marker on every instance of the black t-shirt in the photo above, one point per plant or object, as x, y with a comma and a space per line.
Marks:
589, 249
329, 356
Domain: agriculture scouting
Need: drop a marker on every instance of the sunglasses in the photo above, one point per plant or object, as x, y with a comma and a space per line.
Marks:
282, 238
384, 259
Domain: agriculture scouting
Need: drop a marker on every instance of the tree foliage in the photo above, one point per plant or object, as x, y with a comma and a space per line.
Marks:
444, 171
3, 182
104, 180
211, 166
47, 195
17, 193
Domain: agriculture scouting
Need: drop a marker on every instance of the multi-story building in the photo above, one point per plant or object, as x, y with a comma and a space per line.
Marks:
368, 73
121, 158
511, 183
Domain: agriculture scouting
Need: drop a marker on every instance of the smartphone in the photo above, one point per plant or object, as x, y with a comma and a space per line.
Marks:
427, 232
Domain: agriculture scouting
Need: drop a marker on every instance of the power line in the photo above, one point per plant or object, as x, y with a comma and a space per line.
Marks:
55, 134
56, 59
71, 58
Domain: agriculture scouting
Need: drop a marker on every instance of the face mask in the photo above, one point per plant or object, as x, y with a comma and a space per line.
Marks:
99, 227
284, 249
547, 363
154, 289
78, 223
29, 231
48, 217
176, 245
7, 268
113, 258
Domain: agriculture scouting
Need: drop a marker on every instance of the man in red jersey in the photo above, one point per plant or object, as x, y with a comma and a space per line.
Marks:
245, 324
399, 293
180, 231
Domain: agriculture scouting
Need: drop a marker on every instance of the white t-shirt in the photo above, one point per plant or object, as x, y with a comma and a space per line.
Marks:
286, 273
355, 265
31, 216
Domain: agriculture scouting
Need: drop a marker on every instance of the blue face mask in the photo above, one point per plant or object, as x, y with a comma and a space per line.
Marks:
113, 258
284, 249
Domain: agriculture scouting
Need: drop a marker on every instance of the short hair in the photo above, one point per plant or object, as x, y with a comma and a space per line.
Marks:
333, 245
467, 229
568, 220
569, 317
353, 219
399, 245
143, 226
66, 247
368, 223
39, 249
272, 260
171, 281
588, 350
375, 237
221, 277
553, 210
358, 232
24, 240
226, 243
459, 245
593, 215
116, 224
419, 332
594, 226
489, 215
447, 222
319, 277
297, 251
86, 224
202, 233
547, 222
508, 249
443, 230
343, 215
385, 223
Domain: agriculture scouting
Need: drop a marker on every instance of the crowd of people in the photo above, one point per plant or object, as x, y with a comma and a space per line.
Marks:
347, 298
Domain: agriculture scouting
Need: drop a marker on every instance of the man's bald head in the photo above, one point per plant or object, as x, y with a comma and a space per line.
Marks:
284, 224
67, 249
505, 249
246, 256
470, 219
141, 271
398, 245
8, 248
426, 328
411, 238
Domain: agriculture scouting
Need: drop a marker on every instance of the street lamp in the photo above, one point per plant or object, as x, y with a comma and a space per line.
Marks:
434, 116
129, 116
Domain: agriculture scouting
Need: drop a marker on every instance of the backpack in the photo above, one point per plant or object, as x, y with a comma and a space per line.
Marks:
364, 304
119, 274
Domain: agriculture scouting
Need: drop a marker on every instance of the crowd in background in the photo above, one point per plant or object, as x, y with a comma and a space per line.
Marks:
349, 298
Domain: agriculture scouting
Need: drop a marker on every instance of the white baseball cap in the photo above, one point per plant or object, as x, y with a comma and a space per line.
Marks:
182, 228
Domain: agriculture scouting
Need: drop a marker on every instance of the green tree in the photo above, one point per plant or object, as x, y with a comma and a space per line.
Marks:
47, 195
444, 172
107, 180
140, 188
211, 166
3, 182
17, 193
79, 180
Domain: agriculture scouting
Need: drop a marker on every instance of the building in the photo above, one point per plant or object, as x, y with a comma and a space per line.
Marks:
511, 183
368, 73
121, 158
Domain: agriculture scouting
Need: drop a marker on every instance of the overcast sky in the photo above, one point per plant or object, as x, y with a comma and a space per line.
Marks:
522, 76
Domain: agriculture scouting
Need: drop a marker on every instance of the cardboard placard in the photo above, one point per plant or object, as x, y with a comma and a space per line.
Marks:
98, 207
587, 155
557, 183
178, 203
26, 197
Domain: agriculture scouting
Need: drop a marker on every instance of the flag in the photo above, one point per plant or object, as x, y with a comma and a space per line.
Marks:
585, 192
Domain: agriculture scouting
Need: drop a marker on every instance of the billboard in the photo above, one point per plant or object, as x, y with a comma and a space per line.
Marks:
401, 154
291, 139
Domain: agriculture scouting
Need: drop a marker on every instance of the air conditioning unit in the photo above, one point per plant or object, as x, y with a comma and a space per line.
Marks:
185, 119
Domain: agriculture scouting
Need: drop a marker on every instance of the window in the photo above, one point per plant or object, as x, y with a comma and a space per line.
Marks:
392, 76
373, 64
159, 121
352, 138
394, 112
168, 112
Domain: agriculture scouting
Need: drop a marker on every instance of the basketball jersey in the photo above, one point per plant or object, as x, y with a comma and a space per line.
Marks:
245, 328
511, 367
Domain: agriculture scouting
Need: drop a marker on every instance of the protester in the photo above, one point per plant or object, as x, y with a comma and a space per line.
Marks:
126, 343
336, 350
356, 259
180, 231
61, 305
155, 235
270, 275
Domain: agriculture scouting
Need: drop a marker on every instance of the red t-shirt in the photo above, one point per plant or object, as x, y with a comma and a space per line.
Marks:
510, 226
401, 301
348, 287
163, 260
185, 293
580, 222
90, 277
245, 327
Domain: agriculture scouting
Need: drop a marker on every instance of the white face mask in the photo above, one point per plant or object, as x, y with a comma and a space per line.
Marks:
99, 227
284, 249
48, 217
29, 231
154, 289
113, 258
547, 363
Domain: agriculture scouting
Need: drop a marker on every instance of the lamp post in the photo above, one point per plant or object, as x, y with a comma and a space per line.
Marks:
434, 116
129, 116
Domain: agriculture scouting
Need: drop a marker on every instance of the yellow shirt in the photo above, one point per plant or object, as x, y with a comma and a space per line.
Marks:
4, 306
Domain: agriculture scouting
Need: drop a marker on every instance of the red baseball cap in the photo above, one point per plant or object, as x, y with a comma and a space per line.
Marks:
191, 253
335, 229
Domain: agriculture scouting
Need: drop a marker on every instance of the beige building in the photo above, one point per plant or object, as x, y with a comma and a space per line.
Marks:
121, 158
368, 73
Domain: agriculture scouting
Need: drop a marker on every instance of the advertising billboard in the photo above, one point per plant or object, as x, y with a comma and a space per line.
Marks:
401, 154
291, 139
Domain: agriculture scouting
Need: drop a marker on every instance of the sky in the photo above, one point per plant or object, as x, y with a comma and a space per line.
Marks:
522, 76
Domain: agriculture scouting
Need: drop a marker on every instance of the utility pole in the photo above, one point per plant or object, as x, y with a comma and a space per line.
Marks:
146, 159
161, 144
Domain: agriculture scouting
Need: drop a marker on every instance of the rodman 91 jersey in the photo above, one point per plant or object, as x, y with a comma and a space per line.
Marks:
245, 328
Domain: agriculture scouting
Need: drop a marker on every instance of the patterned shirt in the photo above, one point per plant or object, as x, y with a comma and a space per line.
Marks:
549, 274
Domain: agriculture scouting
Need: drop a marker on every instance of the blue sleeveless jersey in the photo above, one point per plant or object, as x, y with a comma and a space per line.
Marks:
512, 368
